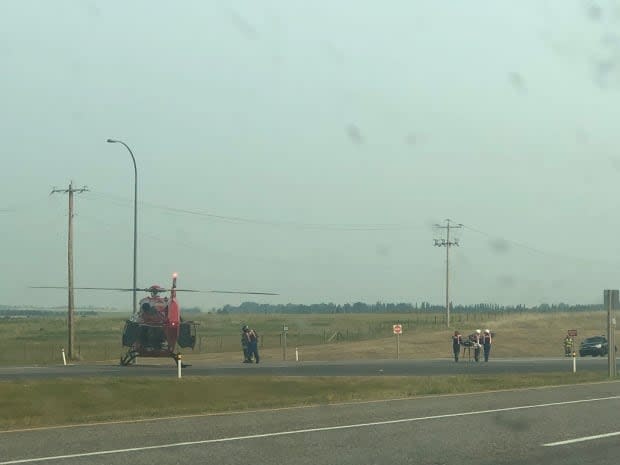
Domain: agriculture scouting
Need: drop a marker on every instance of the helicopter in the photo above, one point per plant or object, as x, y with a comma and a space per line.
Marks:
157, 328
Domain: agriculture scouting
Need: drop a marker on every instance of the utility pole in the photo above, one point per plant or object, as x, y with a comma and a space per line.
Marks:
447, 243
611, 299
70, 306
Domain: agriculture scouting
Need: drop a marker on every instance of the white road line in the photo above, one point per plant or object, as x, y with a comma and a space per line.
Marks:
301, 431
585, 438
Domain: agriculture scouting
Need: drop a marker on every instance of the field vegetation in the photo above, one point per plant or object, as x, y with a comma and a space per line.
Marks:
316, 337
35, 403
27, 404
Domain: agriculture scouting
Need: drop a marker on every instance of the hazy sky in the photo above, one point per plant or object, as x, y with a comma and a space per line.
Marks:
336, 132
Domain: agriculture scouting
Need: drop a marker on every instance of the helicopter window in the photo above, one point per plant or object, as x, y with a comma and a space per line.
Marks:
146, 307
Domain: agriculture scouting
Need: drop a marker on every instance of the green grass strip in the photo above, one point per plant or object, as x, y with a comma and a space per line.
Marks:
34, 403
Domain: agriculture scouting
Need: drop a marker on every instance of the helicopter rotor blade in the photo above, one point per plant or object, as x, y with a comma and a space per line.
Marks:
243, 292
120, 289
149, 289
88, 288
227, 292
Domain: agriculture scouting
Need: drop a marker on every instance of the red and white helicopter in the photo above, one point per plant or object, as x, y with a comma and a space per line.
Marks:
156, 328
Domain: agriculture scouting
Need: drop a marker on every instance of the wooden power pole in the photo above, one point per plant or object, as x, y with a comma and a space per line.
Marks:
447, 243
70, 305
612, 302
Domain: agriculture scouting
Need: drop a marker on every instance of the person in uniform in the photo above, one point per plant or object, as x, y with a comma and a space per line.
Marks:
253, 345
456, 345
486, 344
477, 339
245, 344
568, 346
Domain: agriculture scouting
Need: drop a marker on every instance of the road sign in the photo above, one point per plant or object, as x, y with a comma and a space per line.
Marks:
398, 329
572, 332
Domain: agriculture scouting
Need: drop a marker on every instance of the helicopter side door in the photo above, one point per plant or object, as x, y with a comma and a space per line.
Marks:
187, 334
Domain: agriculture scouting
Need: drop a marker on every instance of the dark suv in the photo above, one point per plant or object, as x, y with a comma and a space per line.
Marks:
595, 345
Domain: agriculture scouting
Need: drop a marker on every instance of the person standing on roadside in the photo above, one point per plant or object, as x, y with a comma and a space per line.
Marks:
568, 346
486, 344
245, 344
456, 345
253, 345
477, 340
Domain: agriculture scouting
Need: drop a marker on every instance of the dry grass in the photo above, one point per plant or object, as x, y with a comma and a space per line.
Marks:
518, 335
38, 403
367, 336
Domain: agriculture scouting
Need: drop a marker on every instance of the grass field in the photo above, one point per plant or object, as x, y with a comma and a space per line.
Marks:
317, 337
34, 403
27, 404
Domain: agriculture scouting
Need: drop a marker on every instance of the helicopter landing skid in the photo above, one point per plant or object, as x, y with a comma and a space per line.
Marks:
129, 357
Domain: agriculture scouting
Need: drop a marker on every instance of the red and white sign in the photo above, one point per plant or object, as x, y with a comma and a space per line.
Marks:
398, 329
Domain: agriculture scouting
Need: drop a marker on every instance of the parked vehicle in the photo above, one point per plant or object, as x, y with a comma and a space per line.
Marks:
595, 346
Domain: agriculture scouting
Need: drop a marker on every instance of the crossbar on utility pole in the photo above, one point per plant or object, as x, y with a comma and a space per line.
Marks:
447, 243
70, 304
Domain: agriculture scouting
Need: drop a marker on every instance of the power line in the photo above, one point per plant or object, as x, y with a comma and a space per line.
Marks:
337, 227
262, 222
536, 250
271, 259
509, 241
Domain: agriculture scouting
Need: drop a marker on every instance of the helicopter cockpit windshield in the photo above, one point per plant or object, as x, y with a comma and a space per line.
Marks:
153, 308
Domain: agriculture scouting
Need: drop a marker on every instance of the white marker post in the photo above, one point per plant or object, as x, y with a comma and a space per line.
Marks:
179, 365
64, 357
572, 333
398, 330
296, 354
284, 331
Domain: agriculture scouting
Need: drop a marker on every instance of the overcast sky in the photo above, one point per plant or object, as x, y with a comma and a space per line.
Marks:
307, 148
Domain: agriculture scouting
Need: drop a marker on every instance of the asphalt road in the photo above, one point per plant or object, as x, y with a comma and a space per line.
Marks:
165, 367
570, 425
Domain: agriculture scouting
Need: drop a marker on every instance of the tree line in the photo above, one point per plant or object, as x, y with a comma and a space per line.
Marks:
27, 313
381, 307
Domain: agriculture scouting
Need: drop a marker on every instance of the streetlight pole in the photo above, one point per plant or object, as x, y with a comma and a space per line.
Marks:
135, 220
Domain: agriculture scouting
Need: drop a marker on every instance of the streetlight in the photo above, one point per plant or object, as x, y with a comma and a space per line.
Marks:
135, 219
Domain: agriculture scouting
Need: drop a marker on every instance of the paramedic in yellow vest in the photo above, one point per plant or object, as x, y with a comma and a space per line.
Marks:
568, 346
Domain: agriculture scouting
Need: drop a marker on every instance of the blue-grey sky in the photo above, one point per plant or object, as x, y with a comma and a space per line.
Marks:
338, 132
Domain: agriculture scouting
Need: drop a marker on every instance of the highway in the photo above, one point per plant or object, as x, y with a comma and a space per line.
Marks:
569, 425
167, 368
